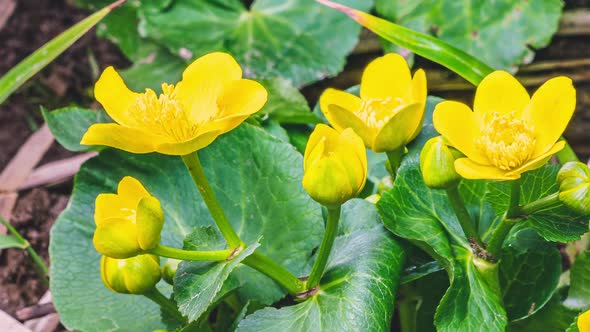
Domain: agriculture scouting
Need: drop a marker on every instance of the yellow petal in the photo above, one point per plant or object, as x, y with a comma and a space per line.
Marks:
357, 146
184, 148
343, 118
327, 182
397, 132
550, 110
131, 191
117, 238
500, 92
584, 322
141, 273
343, 99
387, 76
112, 93
123, 138
150, 221
316, 143
109, 206
203, 81
540, 160
470, 170
458, 125
419, 94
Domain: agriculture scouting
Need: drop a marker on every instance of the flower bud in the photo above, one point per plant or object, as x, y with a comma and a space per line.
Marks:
129, 222
335, 165
135, 275
437, 162
169, 270
574, 186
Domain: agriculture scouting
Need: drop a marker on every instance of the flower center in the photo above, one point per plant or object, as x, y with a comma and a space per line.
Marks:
507, 141
375, 112
163, 115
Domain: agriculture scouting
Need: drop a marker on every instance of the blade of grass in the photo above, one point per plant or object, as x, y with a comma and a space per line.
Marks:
44, 55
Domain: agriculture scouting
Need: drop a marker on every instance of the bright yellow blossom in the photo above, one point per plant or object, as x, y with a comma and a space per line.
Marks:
135, 275
584, 322
390, 110
129, 222
335, 165
508, 132
211, 99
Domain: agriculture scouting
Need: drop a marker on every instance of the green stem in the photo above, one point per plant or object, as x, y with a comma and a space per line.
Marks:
190, 255
39, 264
540, 204
507, 222
275, 271
326, 247
166, 304
462, 215
567, 153
407, 303
195, 168
395, 159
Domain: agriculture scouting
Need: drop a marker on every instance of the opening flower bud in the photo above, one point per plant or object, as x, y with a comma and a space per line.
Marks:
437, 162
335, 165
135, 275
129, 222
574, 186
169, 270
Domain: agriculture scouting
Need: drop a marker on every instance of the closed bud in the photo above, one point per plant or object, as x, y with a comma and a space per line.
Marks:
135, 275
335, 165
437, 162
127, 223
169, 270
574, 186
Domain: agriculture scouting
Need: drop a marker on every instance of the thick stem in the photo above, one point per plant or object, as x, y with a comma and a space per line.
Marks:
462, 215
395, 160
276, 272
39, 264
195, 168
326, 247
540, 204
567, 153
508, 221
190, 255
166, 304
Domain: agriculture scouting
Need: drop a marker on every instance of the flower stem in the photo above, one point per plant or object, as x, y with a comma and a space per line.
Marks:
195, 168
39, 264
507, 222
275, 271
190, 255
166, 304
326, 247
567, 153
540, 204
395, 159
462, 215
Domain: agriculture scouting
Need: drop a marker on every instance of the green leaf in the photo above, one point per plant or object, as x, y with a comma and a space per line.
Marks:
579, 292
69, 124
32, 64
358, 289
529, 273
481, 28
286, 104
554, 317
9, 241
298, 40
558, 223
259, 189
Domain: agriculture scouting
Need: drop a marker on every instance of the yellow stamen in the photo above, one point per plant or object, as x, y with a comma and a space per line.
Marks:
376, 112
506, 140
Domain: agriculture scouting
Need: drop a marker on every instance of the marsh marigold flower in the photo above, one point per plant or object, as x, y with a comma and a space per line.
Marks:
508, 132
390, 110
135, 275
129, 222
211, 99
335, 165
584, 322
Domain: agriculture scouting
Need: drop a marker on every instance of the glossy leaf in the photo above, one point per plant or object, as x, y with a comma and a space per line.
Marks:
260, 190
70, 123
356, 293
579, 292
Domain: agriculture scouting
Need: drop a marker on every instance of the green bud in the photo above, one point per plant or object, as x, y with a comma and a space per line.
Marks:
437, 162
135, 275
169, 270
574, 186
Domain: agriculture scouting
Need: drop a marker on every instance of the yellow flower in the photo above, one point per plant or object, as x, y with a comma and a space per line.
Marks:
335, 165
584, 322
129, 222
135, 275
211, 99
390, 110
508, 132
